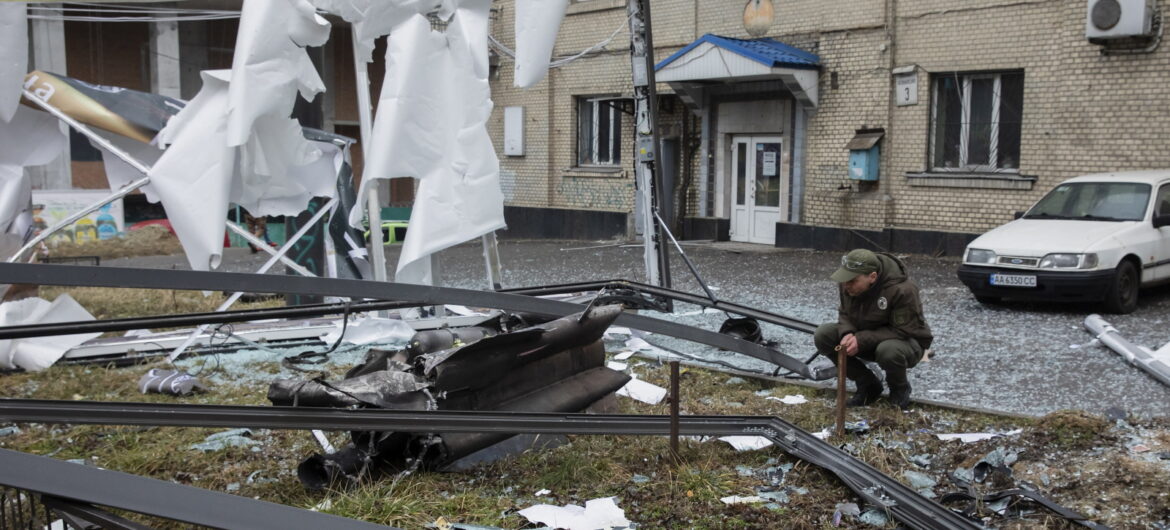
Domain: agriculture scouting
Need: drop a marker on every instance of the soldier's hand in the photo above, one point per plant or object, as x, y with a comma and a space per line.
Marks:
849, 344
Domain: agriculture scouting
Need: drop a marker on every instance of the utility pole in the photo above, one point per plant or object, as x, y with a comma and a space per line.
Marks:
647, 172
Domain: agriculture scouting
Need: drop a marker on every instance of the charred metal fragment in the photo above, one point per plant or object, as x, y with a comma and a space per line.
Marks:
418, 294
557, 366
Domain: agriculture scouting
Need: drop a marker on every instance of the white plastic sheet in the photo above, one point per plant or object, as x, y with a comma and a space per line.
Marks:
431, 125
30, 138
270, 64
37, 353
373, 18
746, 443
537, 23
597, 513
13, 55
275, 172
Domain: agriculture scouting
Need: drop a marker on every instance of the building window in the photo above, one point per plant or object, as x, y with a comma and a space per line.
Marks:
599, 131
976, 122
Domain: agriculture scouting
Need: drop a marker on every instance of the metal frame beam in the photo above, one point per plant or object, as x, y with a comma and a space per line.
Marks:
44, 274
876, 488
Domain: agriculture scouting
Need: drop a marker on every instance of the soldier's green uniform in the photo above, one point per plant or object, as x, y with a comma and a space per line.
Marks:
887, 322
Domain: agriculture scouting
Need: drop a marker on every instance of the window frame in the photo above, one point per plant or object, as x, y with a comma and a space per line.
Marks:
615, 104
965, 81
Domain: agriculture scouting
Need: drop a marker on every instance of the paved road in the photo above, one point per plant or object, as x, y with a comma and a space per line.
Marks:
1020, 358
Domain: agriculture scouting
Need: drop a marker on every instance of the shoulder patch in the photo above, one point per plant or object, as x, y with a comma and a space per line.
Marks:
902, 316
882, 303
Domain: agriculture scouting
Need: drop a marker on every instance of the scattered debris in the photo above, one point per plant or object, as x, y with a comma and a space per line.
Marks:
368, 330
970, 437
746, 443
10, 430
643, 391
38, 353
597, 513
736, 499
223, 440
797, 399
173, 382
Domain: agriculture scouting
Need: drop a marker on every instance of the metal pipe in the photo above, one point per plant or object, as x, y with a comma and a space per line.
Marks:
1136, 355
365, 120
105, 144
841, 359
687, 260
259, 243
674, 401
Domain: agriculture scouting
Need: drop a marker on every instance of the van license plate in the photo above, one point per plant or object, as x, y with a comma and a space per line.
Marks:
1013, 280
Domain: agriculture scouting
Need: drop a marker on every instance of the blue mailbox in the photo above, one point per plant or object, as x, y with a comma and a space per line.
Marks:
865, 155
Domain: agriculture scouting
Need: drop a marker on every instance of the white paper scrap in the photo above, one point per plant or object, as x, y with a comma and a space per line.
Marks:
370, 330
791, 399
623, 355
542, 492
736, 499
643, 391
616, 366
968, 437
746, 443
824, 433
597, 513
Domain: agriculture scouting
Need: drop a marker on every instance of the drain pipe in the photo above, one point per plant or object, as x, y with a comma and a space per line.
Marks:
1157, 366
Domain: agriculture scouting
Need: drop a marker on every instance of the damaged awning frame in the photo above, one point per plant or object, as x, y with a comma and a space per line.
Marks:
900, 501
66, 275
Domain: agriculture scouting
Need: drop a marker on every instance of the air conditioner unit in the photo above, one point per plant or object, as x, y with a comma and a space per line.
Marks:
1117, 19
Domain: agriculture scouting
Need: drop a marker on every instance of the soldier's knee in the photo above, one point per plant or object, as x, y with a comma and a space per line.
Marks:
893, 353
826, 337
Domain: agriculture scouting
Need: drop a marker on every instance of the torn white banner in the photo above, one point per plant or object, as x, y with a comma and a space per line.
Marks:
37, 353
373, 18
270, 64
431, 125
13, 56
597, 513
275, 172
30, 138
537, 24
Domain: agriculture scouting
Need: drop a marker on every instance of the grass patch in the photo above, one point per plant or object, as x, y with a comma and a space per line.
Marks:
148, 241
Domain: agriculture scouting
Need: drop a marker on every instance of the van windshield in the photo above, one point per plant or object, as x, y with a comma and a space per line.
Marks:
1094, 201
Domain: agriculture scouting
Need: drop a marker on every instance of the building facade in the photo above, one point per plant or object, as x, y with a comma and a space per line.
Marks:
964, 112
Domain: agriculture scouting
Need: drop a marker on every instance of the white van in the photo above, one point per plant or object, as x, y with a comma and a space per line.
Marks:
1095, 238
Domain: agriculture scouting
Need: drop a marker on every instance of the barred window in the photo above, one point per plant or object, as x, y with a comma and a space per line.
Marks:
599, 131
976, 120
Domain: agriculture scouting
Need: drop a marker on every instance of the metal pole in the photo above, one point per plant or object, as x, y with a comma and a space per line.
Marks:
373, 204
105, 144
491, 258
647, 142
841, 358
674, 400
259, 243
288, 245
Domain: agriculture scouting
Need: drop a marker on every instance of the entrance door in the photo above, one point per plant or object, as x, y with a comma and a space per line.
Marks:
758, 187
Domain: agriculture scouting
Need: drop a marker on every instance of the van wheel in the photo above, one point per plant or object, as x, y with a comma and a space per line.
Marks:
1123, 295
988, 300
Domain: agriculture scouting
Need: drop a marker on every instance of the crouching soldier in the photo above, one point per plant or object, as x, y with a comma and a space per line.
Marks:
880, 319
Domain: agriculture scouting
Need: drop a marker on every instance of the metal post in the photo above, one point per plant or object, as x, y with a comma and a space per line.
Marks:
841, 359
491, 258
648, 177
373, 204
674, 400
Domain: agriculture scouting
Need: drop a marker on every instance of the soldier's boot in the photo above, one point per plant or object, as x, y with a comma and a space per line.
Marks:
869, 388
899, 387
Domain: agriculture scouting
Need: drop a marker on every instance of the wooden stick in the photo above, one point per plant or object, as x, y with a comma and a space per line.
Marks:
840, 390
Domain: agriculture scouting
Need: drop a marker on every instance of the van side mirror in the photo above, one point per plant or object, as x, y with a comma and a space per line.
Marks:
1161, 220
1018, 214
